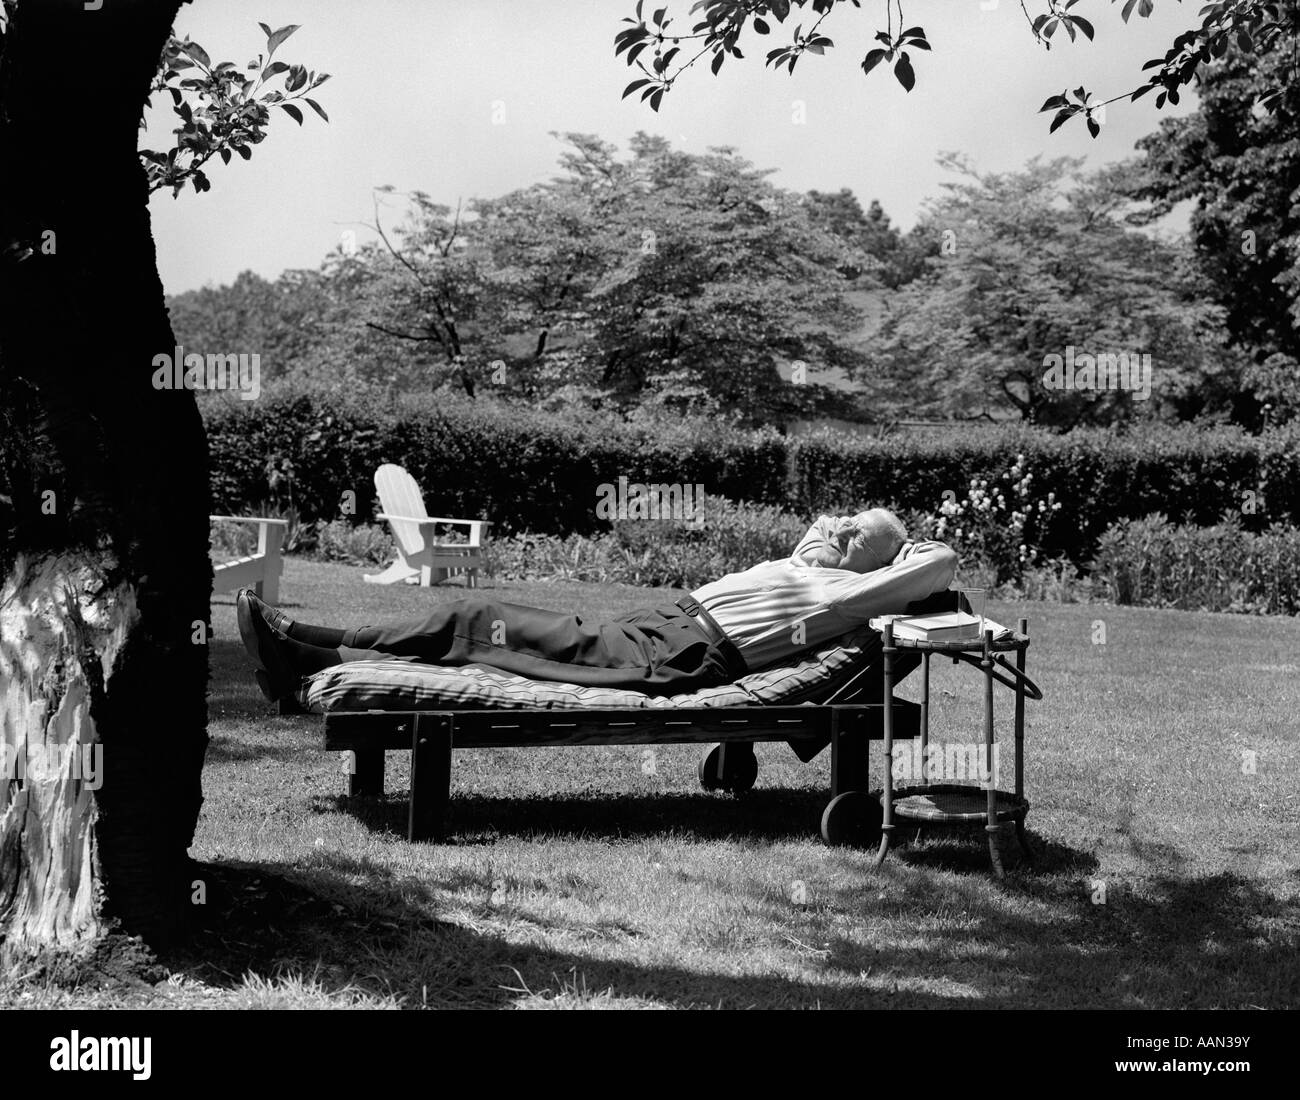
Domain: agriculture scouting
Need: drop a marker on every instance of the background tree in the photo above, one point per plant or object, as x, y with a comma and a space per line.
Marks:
659, 279
898, 258
711, 280
1028, 264
420, 294
1240, 166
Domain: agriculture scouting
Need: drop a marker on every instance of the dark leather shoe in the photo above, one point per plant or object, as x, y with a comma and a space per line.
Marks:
275, 675
277, 619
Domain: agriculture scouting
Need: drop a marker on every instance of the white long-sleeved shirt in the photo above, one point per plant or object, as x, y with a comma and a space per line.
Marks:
778, 608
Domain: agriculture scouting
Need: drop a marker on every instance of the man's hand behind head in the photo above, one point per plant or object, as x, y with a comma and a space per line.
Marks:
826, 541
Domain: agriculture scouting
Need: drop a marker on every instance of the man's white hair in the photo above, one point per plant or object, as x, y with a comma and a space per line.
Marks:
880, 526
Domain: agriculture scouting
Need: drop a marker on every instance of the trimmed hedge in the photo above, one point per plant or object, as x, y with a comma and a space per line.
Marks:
1099, 477
533, 471
524, 470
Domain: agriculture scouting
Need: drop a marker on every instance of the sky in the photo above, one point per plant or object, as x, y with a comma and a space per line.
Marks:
460, 98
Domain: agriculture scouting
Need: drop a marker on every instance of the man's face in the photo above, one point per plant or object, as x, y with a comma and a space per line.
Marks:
871, 549
864, 555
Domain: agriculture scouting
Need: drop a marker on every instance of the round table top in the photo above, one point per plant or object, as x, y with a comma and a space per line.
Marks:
1007, 642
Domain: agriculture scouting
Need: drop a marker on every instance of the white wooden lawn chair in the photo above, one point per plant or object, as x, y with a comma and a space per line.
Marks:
259, 571
420, 557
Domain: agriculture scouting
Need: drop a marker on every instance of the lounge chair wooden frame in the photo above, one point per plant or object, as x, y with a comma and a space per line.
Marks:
849, 722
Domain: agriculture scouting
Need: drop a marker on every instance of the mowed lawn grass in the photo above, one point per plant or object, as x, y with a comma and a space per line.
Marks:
1162, 769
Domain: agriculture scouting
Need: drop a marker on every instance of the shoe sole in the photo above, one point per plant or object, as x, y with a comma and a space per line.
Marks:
257, 648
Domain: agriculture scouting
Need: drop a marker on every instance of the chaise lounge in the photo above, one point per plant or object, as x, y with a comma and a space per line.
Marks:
829, 696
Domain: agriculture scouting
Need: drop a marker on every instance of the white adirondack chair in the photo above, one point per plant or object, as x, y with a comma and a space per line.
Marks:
261, 569
420, 557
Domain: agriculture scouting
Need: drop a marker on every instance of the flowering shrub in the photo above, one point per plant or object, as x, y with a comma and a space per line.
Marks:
996, 527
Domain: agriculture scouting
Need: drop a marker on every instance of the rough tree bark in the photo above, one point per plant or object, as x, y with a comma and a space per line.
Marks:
104, 573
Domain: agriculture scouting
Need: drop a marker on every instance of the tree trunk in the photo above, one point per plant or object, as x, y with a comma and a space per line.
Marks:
104, 573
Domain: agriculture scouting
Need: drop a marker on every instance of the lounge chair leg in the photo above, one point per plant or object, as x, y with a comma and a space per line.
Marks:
993, 832
367, 778
430, 778
850, 770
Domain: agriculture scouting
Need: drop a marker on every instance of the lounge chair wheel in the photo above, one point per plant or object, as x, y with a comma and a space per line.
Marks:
852, 820
733, 771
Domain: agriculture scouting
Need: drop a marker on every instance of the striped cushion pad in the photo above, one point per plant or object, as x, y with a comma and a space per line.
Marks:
405, 685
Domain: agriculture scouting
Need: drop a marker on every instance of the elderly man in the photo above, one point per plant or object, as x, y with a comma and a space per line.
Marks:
845, 570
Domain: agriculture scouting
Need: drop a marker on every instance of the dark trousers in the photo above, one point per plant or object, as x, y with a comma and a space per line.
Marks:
659, 651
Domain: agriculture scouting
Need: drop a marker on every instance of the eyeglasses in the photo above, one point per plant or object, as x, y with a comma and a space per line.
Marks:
861, 542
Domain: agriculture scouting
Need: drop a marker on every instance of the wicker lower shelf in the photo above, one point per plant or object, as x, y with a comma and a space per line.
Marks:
955, 804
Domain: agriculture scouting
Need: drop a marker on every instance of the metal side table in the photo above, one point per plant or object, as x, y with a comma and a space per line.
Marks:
944, 803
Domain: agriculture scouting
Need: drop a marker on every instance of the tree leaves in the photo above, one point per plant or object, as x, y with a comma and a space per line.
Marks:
222, 110
198, 53
903, 72
912, 38
276, 38
1065, 110
1253, 26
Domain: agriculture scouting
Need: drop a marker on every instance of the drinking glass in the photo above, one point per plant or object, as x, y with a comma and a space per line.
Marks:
974, 598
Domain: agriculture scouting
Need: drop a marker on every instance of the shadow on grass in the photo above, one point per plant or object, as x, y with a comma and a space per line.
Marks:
232, 691
1177, 943
768, 815
1181, 943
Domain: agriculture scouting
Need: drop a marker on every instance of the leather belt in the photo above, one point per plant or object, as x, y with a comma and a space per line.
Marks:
736, 665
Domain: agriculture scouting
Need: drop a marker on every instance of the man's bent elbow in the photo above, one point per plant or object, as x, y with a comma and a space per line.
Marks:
945, 566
